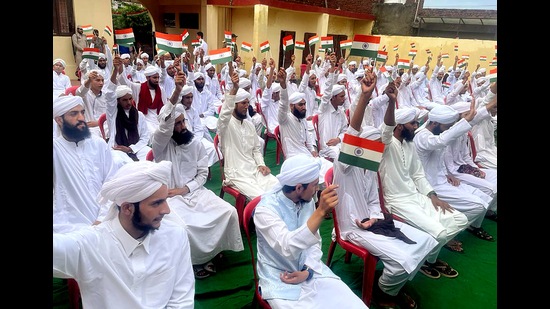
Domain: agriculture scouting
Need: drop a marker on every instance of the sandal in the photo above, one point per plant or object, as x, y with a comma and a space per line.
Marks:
210, 267
200, 273
491, 215
454, 245
429, 271
405, 301
480, 233
443, 268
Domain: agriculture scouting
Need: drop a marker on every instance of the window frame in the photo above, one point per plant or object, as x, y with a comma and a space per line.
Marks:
63, 18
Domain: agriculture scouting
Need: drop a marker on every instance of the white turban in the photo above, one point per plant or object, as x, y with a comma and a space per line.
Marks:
341, 77
186, 90
180, 109
388, 67
244, 82
404, 77
122, 90
257, 65
423, 68
461, 107
444, 114
125, 56
134, 182
359, 73
457, 70
206, 58
241, 95
102, 55
60, 61
416, 66
208, 66
87, 75
296, 97
336, 89
145, 55
299, 169
405, 115
151, 70
370, 132
197, 75
63, 104
420, 113
365, 62
139, 61
441, 70
352, 63
242, 73
312, 72
482, 70
275, 87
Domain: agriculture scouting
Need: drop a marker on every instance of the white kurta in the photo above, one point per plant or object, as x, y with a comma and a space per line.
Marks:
242, 154
60, 83
269, 109
114, 270
212, 223
193, 123
358, 199
79, 171
332, 121
484, 137
405, 190
96, 105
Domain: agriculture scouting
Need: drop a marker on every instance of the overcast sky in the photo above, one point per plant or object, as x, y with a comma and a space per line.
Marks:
461, 4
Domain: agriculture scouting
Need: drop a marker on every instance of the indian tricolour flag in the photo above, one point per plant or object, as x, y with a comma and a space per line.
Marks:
461, 63
264, 47
195, 43
386, 74
184, 35
365, 46
456, 47
318, 98
87, 28
346, 44
125, 37
396, 47
313, 40
412, 52
247, 47
300, 45
108, 30
493, 62
288, 42
90, 53
482, 58
413, 45
445, 55
327, 42
428, 51
169, 42
403, 64
361, 152
446, 85
465, 57
219, 56
495, 50
227, 36
383, 48
493, 75
382, 56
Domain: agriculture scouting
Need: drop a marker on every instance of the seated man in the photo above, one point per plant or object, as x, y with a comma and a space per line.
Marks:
245, 168
200, 208
130, 260
289, 264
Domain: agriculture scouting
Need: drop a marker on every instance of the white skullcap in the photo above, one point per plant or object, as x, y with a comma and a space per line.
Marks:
336, 89
87, 75
461, 107
359, 73
423, 68
257, 65
441, 70
352, 63
451, 68
244, 82
482, 70
404, 115
458, 70
275, 87
443, 114
341, 77
241, 95
139, 61
416, 66
420, 113
151, 70
125, 56
365, 62
299, 169
134, 182
63, 104
122, 90
370, 132
196, 75
208, 66
180, 109
296, 97
242, 73
145, 55
312, 72
388, 67
186, 90
206, 58
60, 61
102, 55
318, 58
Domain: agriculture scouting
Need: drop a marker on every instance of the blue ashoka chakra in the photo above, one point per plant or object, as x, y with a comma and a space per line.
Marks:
170, 43
358, 152
365, 46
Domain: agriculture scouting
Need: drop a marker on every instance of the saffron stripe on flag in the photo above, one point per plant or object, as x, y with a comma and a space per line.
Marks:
361, 152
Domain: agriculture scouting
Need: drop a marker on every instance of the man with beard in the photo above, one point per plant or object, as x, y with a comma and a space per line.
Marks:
435, 84
104, 64
82, 162
295, 137
244, 169
204, 101
407, 191
212, 82
199, 207
133, 259
291, 273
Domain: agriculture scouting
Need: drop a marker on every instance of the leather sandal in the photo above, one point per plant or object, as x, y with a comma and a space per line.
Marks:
480, 233
444, 269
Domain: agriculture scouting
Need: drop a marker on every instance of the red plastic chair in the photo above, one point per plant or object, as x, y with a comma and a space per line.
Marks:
279, 151
74, 294
101, 123
150, 156
240, 199
381, 199
472, 146
369, 260
247, 226
71, 90
315, 123
267, 135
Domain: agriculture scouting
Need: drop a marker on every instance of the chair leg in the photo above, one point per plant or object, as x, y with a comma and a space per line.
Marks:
74, 294
368, 278
240, 203
330, 252
347, 258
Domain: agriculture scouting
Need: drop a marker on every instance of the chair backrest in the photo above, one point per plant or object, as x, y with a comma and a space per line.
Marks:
315, 123
329, 176
220, 157
222, 86
150, 156
259, 93
71, 90
347, 115
277, 133
472, 146
101, 123
259, 111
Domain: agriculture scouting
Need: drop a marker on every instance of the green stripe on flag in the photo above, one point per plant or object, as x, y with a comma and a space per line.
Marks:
358, 161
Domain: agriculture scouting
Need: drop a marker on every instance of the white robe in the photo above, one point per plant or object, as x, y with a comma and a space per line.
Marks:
332, 121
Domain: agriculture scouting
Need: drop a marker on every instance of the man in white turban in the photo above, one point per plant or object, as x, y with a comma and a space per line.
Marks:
332, 117
204, 101
212, 83
244, 165
401, 248
104, 64
270, 99
459, 91
308, 86
199, 207
291, 272
406, 190
75, 184
435, 83
60, 80
443, 127
103, 258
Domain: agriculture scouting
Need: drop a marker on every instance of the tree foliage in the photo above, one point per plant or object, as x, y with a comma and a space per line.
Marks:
130, 15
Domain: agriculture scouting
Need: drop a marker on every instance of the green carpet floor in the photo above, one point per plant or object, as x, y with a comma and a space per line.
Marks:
232, 286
